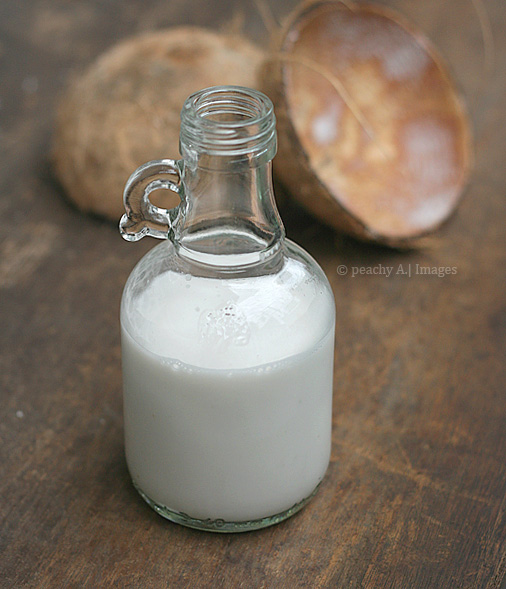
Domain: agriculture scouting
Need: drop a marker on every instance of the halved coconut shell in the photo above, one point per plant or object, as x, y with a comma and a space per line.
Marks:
374, 139
125, 109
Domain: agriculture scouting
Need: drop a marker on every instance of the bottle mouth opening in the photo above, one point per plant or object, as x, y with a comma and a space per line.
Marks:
230, 106
229, 120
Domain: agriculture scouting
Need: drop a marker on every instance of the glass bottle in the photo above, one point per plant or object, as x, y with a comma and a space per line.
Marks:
227, 330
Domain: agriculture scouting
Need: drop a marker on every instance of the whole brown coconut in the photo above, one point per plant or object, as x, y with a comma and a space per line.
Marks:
373, 138
124, 110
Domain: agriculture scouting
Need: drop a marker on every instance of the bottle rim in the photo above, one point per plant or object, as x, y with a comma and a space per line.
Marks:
229, 121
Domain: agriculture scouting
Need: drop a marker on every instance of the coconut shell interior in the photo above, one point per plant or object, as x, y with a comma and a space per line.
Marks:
376, 118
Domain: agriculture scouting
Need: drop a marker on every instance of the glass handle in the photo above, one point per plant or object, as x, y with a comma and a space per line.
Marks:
142, 217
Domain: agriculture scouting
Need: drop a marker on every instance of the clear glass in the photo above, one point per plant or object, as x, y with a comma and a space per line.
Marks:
227, 331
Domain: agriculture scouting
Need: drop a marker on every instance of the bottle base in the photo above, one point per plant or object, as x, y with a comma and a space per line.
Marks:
220, 525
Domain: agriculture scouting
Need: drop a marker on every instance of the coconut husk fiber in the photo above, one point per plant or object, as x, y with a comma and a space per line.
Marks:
124, 110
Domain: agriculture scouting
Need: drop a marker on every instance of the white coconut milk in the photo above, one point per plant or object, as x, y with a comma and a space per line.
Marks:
227, 394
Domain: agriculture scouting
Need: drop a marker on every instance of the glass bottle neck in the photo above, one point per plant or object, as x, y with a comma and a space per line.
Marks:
230, 216
228, 140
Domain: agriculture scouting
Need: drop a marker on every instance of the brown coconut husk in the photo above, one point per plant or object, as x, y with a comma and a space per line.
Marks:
125, 109
373, 136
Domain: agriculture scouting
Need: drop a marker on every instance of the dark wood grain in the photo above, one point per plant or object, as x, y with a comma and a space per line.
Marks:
415, 494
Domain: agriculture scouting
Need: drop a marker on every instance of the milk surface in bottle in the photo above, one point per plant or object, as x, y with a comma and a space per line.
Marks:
227, 331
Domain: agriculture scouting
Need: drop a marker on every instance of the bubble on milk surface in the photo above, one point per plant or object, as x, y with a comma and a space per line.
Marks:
224, 326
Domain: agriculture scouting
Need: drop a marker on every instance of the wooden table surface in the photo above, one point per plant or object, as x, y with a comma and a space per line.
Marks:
415, 493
